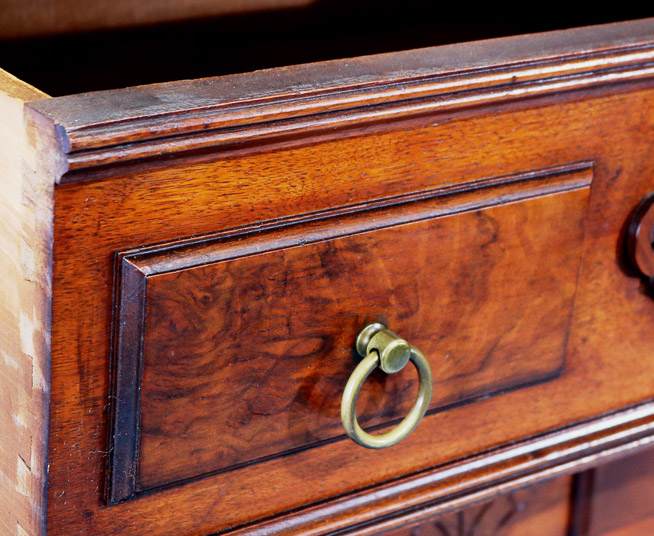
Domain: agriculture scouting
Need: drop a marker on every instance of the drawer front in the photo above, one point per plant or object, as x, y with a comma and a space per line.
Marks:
237, 347
212, 268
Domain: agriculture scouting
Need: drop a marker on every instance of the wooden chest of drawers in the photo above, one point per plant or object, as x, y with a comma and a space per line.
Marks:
186, 267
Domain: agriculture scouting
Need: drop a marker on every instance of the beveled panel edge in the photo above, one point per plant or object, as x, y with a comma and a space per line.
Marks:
125, 382
134, 266
286, 105
457, 484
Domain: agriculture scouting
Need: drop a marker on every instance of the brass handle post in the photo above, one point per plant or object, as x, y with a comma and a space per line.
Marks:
382, 348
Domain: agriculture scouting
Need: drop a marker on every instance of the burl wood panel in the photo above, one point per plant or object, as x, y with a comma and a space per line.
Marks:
540, 510
248, 336
26, 205
618, 498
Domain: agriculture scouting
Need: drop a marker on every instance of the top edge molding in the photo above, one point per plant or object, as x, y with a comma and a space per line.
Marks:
107, 128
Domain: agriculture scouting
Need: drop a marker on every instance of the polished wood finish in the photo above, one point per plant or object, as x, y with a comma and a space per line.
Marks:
26, 202
541, 510
223, 330
169, 178
458, 484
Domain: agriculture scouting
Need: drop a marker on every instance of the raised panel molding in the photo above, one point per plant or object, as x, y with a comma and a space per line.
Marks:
223, 299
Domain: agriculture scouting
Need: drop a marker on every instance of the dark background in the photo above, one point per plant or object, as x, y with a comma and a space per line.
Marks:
331, 29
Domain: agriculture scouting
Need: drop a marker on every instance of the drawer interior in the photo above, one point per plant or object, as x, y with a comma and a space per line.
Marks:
65, 51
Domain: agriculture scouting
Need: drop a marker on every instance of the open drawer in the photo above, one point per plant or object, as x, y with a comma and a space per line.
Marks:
192, 263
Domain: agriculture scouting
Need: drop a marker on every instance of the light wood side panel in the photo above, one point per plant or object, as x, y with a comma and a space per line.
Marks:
26, 203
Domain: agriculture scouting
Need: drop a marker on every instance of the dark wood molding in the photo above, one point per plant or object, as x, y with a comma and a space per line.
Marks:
583, 487
106, 128
446, 200
125, 403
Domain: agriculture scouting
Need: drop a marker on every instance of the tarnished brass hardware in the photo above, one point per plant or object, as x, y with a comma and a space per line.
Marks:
382, 348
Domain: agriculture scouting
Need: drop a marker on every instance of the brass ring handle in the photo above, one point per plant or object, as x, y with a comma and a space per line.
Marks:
382, 348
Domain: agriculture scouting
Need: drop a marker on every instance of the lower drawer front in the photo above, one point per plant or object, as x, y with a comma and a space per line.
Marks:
236, 347
618, 498
541, 510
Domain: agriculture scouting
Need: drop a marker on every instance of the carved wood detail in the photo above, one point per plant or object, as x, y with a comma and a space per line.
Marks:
541, 510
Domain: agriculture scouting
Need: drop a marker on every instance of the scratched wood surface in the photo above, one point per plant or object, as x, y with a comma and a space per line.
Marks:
26, 198
248, 357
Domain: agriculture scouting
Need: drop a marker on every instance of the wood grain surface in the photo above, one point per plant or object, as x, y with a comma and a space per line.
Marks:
26, 207
442, 489
247, 338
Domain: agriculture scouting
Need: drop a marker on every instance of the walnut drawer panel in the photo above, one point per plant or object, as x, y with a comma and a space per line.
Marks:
238, 347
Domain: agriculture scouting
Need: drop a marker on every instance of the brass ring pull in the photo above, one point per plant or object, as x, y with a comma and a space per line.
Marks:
382, 348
